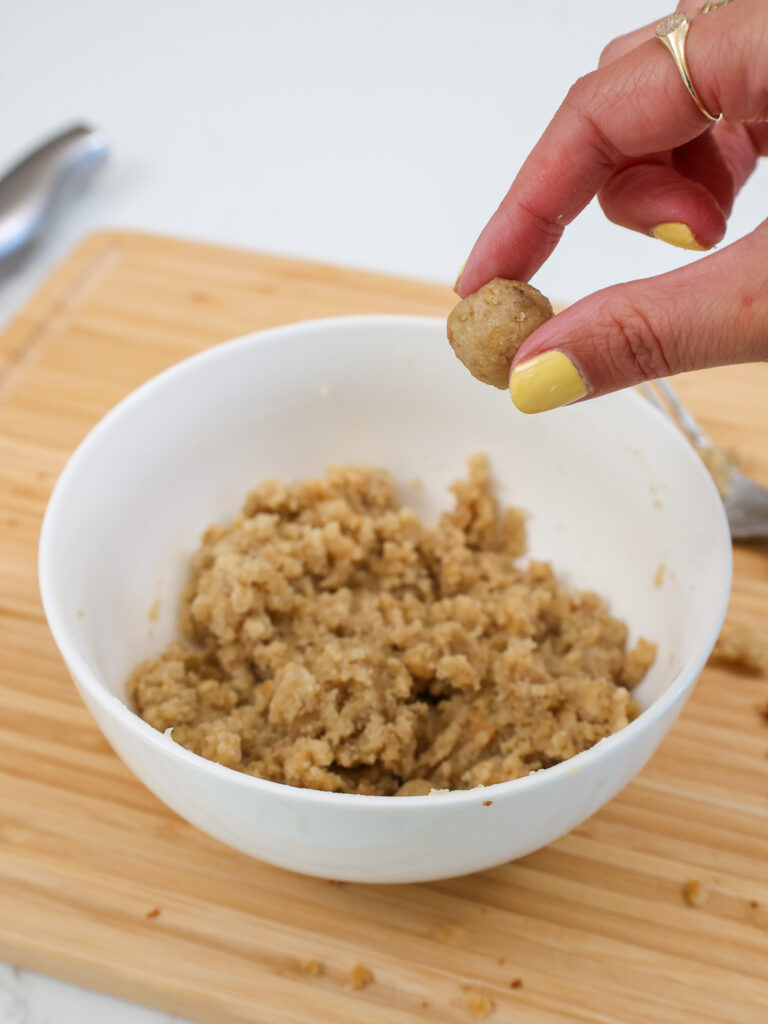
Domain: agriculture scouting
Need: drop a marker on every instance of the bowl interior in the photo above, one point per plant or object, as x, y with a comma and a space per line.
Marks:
613, 492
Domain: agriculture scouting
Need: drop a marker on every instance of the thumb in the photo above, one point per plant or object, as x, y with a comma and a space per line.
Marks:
710, 313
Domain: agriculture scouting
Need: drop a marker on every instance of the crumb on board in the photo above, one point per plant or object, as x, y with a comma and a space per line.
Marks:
744, 647
658, 576
359, 976
154, 610
501, 961
754, 904
479, 1004
516, 983
154, 912
312, 967
487, 803
694, 892
424, 1004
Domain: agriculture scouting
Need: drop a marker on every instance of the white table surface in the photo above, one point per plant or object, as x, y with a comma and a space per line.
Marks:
378, 135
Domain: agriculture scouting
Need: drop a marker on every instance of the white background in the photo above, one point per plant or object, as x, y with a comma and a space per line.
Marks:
371, 134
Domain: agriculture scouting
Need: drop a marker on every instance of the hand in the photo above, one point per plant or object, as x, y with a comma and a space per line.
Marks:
631, 134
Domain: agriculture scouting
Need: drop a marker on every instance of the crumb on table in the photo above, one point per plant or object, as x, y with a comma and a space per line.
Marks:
694, 892
312, 967
743, 647
154, 912
479, 1004
516, 983
359, 976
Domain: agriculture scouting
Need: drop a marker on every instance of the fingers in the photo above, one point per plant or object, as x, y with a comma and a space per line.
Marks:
683, 197
651, 197
740, 147
634, 105
710, 313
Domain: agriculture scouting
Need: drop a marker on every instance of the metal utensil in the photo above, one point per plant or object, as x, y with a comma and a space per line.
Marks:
746, 502
33, 189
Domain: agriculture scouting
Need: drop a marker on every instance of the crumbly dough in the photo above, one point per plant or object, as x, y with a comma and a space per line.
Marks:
486, 329
335, 642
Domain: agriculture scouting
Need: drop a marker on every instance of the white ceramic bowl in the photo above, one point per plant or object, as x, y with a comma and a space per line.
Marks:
612, 489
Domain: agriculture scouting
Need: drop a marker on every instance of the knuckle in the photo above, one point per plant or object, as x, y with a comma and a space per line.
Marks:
634, 350
581, 101
609, 53
548, 227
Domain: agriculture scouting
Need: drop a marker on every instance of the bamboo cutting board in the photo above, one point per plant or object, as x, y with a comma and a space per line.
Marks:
101, 884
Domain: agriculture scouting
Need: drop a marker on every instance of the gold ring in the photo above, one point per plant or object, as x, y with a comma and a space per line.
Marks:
712, 5
672, 32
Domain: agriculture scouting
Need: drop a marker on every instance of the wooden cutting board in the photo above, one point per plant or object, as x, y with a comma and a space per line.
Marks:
101, 884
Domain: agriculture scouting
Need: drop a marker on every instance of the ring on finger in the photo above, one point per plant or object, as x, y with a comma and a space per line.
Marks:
672, 31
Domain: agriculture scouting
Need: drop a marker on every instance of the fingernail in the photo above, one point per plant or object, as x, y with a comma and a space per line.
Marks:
458, 276
546, 382
676, 233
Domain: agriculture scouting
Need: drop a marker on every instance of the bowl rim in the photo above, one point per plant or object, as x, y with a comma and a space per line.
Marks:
88, 680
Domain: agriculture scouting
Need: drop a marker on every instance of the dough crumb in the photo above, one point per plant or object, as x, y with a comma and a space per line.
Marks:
486, 329
312, 967
694, 892
720, 462
359, 977
335, 642
743, 647
479, 1004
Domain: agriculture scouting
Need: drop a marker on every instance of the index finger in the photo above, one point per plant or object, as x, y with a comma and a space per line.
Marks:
632, 106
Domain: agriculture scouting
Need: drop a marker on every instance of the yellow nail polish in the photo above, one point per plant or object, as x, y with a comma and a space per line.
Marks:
676, 233
458, 276
546, 382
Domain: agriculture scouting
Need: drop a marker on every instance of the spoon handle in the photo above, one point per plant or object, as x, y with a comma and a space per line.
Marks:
32, 190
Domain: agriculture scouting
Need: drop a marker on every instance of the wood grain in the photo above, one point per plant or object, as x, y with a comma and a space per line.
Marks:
595, 927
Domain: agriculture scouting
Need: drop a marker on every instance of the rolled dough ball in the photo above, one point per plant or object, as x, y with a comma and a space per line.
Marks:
487, 328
